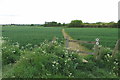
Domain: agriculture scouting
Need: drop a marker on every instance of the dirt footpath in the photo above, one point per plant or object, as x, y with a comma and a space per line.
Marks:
73, 45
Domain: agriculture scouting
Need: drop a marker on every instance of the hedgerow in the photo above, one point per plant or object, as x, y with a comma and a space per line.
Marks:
52, 60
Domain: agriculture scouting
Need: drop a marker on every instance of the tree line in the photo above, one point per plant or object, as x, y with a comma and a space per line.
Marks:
73, 23
79, 23
53, 23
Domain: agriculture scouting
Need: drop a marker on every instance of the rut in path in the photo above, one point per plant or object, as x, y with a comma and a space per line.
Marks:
73, 45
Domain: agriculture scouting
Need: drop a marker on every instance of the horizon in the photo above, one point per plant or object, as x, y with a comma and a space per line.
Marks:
50, 21
39, 11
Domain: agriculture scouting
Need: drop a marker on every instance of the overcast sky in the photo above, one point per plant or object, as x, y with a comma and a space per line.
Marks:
39, 11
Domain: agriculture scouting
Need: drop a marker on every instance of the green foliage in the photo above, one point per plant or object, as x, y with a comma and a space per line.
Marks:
75, 23
116, 62
32, 24
52, 60
10, 54
38, 59
109, 62
42, 62
53, 24
78, 23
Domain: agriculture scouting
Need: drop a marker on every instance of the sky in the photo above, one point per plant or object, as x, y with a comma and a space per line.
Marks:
39, 11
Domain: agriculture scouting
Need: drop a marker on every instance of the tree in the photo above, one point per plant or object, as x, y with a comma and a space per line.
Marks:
32, 24
75, 23
59, 24
52, 24
64, 24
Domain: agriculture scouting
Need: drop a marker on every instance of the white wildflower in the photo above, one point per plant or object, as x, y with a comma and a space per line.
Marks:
116, 63
66, 53
77, 50
107, 60
43, 51
70, 74
65, 61
69, 59
108, 55
13, 51
113, 67
17, 45
54, 62
13, 76
57, 63
48, 74
83, 60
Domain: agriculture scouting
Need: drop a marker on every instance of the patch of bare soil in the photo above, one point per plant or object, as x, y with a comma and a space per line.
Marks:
74, 45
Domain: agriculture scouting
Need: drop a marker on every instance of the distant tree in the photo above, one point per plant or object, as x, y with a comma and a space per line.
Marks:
52, 24
75, 23
64, 24
59, 24
99, 22
32, 24
12, 24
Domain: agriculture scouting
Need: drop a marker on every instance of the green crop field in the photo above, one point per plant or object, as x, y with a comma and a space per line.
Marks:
53, 60
30, 34
36, 35
107, 36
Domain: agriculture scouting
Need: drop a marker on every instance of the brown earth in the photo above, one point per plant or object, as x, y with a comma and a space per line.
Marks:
74, 45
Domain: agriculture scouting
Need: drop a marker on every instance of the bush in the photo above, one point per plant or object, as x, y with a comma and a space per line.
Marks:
45, 61
52, 60
109, 62
10, 54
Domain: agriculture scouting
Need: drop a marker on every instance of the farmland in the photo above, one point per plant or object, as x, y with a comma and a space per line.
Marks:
107, 36
33, 35
46, 59
36, 35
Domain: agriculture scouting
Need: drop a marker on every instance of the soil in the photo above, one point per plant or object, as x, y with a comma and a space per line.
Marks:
74, 45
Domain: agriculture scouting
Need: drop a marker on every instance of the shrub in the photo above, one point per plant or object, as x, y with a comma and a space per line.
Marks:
10, 54
109, 62
47, 60
52, 60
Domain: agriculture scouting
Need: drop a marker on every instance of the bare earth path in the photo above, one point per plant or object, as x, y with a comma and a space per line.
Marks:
74, 45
